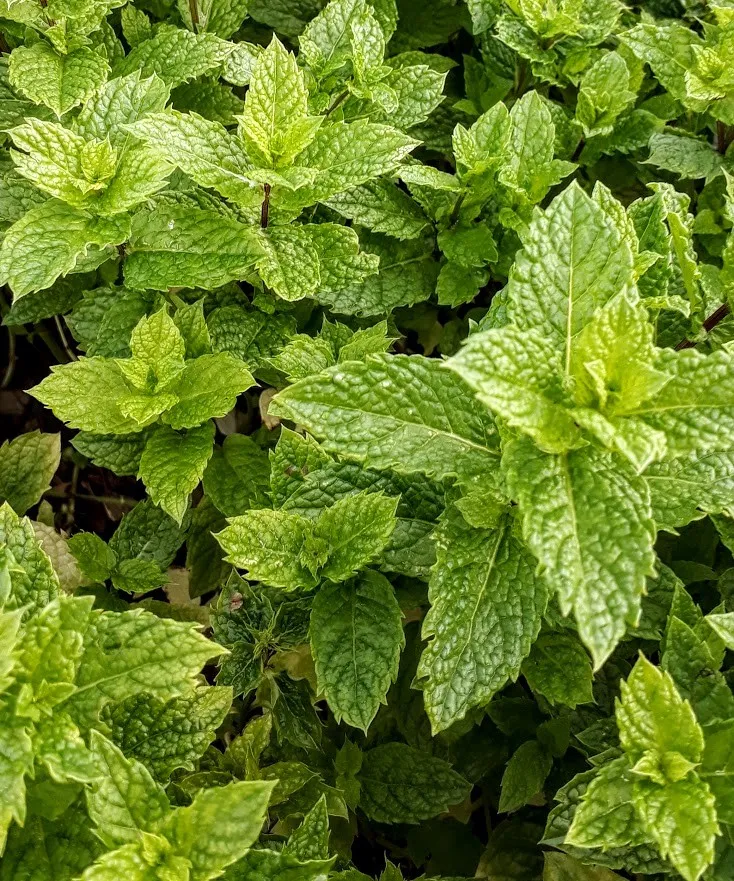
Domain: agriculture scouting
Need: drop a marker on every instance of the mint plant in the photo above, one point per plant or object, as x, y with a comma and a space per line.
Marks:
366, 469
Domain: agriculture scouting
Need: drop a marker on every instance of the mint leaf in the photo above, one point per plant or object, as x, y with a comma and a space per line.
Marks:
578, 509
558, 297
27, 465
130, 651
486, 608
166, 735
187, 247
59, 81
402, 785
172, 465
356, 637
218, 827
377, 412
126, 800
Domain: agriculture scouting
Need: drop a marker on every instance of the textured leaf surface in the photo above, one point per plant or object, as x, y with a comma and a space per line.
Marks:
172, 465
573, 261
356, 637
27, 465
394, 412
165, 735
403, 785
136, 651
486, 608
578, 510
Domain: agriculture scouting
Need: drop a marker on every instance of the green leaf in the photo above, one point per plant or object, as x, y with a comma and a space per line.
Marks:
604, 94
56, 80
125, 800
404, 785
688, 157
27, 465
157, 353
524, 775
407, 274
118, 103
68, 234
558, 667
578, 511
237, 477
529, 166
16, 750
651, 715
682, 489
167, 734
268, 545
175, 55
204, 150
61, 163
147, 533
382, 207
346, 155
127, 652
180, 246
681, 819
717, 767
557, 295
289, 263
486, 608
356, 636
562, 867
87, 394
207, 388
52, 648
275, 117
262, 863
356, 529
695, 409
32, 578
518, 374
218, 827
390, 411
311, 840
606, 817
668, 47
172, 465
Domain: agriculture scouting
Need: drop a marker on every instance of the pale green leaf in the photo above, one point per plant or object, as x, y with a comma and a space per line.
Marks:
518, 374
27, 465
187, 247
172, 465
573, 261
129, 652
58, 81
67, 234
579, 509
166, 735
681, 819
651, 715
218, 827
125, 800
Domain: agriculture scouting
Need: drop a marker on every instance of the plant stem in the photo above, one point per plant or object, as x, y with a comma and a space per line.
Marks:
194, 12
10, 369
708, 325
337, 101
265, 209
64, 341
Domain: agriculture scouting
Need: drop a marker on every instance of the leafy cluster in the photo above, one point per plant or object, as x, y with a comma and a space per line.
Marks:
367, 497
